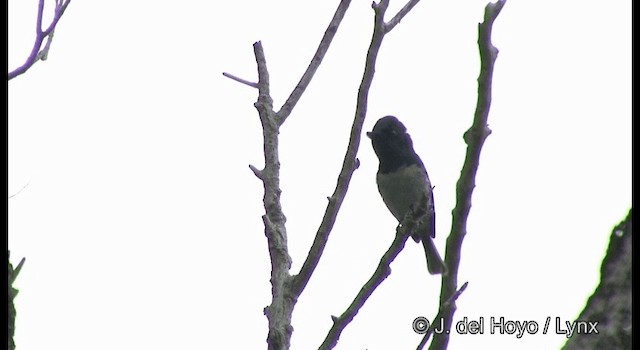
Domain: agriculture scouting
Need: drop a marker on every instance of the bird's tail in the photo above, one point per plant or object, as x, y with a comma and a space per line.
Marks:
435, 265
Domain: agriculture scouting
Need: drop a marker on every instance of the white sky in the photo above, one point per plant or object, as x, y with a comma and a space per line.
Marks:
141, 219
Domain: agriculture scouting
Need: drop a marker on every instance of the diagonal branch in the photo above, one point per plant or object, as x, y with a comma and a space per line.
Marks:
20, 190
37, 54
383, 271
400, 15
474, 137
349, 163
445, 306
297, 92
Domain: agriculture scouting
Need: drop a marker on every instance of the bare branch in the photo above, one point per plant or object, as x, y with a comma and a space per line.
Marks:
409, 223
263, 74
14, 274
439, 315
349, 163
281, 308
297, 92
400, 15
474, 137
256, 172
240, 80
37, 54
12, 293
381, 273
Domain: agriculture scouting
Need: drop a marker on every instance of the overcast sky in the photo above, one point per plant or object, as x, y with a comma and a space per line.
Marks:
140, 218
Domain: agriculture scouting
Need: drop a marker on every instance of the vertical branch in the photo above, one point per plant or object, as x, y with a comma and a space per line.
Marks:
12, 293
281, 308
474, 137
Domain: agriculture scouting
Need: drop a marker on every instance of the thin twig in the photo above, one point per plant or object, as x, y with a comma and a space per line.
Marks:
256, 172
37, 54
16, 271
381, 273
20, 190
400, 15
297, 92
439, 315
240, 80
474, 137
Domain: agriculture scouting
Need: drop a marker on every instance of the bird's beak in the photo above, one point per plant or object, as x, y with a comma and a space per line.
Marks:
370, 134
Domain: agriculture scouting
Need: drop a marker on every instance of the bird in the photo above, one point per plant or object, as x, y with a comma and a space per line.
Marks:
402, 181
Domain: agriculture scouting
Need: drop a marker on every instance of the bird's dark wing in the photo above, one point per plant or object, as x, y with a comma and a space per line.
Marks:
431, 213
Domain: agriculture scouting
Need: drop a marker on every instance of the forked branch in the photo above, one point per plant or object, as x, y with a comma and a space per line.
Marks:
37, 54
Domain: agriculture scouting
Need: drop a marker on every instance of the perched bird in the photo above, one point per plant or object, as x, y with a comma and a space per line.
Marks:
402, 180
